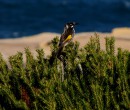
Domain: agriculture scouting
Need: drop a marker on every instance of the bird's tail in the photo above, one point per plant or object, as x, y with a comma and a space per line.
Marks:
59, 51
56, 55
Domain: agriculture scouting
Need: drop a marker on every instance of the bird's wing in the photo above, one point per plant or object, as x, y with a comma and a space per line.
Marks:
64, 38
68, 38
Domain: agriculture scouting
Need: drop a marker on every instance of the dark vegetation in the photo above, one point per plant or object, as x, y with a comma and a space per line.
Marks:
94, 79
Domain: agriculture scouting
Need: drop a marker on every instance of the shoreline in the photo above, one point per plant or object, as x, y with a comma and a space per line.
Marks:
10, 47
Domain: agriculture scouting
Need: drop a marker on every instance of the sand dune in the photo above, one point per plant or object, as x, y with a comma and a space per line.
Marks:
10, 47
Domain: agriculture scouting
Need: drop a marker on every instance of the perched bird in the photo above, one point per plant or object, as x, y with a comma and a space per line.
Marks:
66, 36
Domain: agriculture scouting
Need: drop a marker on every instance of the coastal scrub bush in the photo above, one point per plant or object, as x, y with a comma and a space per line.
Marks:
94, 79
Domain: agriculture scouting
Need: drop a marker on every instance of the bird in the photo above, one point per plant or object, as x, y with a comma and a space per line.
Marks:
67, 36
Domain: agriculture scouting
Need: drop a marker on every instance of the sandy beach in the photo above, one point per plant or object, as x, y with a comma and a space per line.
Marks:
10, 47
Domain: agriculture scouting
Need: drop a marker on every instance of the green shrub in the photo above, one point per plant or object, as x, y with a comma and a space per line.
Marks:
94, 79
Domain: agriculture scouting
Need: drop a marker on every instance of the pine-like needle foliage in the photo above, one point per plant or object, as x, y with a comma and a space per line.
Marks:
94, 79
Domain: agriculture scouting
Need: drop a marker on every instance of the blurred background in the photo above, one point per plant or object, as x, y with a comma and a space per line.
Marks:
28, 17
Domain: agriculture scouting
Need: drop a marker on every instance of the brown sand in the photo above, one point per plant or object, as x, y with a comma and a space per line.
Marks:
10, 47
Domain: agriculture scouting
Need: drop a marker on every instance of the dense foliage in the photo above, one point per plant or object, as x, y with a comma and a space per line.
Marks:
94, 79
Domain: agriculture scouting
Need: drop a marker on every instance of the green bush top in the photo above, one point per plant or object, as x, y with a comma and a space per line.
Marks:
88, 79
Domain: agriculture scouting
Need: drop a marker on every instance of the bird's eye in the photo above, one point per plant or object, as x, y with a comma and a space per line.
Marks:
72, 26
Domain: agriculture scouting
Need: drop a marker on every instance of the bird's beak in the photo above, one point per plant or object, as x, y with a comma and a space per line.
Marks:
76, 23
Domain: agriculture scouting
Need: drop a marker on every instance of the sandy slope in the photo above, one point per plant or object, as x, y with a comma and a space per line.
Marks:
11, 46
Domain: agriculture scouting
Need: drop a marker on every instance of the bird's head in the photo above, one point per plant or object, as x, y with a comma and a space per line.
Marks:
70, 25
